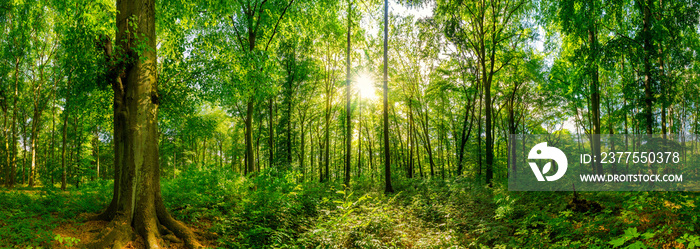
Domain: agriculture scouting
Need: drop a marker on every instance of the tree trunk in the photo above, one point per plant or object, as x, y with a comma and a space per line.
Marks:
6, 168
272, 133
648, 95
478, 138
35, 129
78, 146
13, 162
326, 142
595, 96
302, 147
348, 114
137, 206
96, 151
488, 131
387, 154
250, 162
411, 147
204, 153
64, 143
426, 141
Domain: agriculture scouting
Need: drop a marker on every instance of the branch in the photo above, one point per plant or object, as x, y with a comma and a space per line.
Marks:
238, 34
260, 17
171, 77
277, 24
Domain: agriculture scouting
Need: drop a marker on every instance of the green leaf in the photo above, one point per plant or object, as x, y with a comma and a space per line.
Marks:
637, 245
617, 242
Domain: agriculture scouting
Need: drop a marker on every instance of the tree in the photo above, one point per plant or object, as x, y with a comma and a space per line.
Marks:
490, 30
137, 205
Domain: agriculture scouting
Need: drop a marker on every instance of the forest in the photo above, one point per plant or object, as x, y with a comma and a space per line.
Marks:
342, 123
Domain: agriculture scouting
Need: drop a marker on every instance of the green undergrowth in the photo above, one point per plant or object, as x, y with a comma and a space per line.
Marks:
28, 215
275, 210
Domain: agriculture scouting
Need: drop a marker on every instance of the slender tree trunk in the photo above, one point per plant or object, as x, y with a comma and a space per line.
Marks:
371, 157
78, 146
24, 149
478, 139
6, 168
412, 141
303, 149
36, 121
53, 135
387, 154
595, 96
511, 140
426, 142
63, 148
648, 95
348, 111
271, 133
327, 147
249, 157
359, 140
204, 153
489, 129
13, 124
96, 148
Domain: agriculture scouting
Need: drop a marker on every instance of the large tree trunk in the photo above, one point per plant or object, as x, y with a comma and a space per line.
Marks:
137, 206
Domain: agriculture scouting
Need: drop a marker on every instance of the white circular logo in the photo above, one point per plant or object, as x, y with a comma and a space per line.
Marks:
542, 151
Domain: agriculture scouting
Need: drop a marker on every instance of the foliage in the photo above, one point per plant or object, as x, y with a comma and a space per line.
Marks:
28, 217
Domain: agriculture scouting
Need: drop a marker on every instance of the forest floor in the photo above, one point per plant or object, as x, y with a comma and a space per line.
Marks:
274, 211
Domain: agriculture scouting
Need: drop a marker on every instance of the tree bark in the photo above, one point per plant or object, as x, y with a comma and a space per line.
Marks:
137, 206
65, 140
348, 111
271, 133
387, 154
13, 162
411, 147
648, 95
326, 140
595, 95
249, 157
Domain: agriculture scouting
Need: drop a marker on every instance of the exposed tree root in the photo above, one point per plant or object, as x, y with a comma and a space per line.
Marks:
106, 215
116, 235
179, 229
155, 225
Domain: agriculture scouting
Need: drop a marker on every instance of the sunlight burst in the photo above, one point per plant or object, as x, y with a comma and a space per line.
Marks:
365, 86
